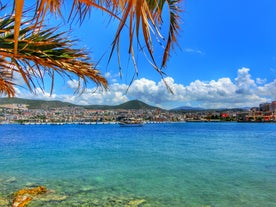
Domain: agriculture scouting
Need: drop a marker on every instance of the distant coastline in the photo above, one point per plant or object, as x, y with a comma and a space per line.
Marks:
32, 112
117, 123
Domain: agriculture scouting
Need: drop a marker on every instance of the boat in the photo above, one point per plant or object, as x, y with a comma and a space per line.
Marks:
131, 122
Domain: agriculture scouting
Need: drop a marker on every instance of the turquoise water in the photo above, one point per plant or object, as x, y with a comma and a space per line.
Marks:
172, 165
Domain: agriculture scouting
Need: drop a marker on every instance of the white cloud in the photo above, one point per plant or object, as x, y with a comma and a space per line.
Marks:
268, 90
38, 93
73, 84
260, 81
244, 83
194, 51
224, 92
112, 77
107, 75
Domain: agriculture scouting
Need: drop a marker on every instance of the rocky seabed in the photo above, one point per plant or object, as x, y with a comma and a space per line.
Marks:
32, 195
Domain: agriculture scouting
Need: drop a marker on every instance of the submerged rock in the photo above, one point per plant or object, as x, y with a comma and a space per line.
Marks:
11, 180
21, 201
32, 191
25, 196
135, 203
122, 202
53, 197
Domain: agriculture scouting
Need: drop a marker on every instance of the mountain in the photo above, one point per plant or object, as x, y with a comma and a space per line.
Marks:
135, 104
35, 104
42, 104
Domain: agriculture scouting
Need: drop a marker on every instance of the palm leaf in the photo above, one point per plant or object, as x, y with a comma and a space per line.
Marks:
144, 16
45, 52
6, 84
19, 4
173, 30
149, 12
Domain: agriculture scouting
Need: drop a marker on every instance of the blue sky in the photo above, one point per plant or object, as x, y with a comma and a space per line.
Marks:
226, 58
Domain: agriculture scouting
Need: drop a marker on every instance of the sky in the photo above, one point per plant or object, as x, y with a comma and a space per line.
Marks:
226, 57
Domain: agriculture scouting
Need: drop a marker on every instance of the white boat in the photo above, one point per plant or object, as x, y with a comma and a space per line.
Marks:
131, 122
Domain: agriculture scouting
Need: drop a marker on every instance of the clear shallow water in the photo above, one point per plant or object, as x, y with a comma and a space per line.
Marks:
185, 164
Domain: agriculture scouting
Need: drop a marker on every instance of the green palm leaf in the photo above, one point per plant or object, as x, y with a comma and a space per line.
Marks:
43, 52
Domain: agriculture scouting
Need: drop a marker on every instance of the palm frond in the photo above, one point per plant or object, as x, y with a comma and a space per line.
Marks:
174, 28
45, 52
6, 83
143, 15
19, 4
143, 18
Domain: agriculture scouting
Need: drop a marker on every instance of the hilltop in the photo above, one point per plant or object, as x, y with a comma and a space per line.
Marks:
43, 104
134, 104
35, 104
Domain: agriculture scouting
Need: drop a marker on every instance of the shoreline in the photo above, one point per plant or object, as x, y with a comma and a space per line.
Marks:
114, 123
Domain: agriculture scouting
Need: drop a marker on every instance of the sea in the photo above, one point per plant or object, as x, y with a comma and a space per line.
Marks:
157, 165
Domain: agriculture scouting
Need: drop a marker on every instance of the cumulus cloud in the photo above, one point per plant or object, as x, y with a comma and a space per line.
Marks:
268, 90
244, 83
260, 81
194, 51
38, 93
73, 84
224, 92
112, 77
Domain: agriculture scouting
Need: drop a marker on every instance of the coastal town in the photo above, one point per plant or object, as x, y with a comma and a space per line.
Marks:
22, 114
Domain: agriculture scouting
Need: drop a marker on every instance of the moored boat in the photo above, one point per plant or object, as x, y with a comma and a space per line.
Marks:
130, 122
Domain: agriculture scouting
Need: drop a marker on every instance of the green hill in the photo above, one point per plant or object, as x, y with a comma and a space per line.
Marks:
35, 104
135, 104
42, 104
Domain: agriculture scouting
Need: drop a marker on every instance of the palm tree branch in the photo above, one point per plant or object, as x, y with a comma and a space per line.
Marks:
19, 4
47, 52
6, 84
145, 17
173, 29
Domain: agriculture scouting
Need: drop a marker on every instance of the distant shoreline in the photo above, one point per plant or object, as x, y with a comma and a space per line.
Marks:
146, 122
